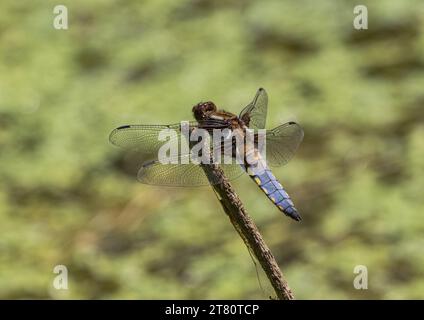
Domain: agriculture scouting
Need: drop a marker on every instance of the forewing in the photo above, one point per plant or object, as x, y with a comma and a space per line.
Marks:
257, 110
144, 139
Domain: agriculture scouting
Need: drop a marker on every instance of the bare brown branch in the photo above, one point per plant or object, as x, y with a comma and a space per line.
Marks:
248, 231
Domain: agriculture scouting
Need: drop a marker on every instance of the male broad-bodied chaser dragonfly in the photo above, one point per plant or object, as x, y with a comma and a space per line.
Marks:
281, 144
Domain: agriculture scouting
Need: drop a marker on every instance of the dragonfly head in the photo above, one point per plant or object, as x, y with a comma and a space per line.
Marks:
203, 110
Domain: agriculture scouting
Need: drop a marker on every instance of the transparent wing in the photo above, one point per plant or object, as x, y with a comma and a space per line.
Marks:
255, 112
144, 139
182, 175
282, 143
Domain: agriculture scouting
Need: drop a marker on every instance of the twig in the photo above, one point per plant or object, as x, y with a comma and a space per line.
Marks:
247, 230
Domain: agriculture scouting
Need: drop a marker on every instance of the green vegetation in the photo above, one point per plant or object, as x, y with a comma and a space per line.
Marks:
69, 197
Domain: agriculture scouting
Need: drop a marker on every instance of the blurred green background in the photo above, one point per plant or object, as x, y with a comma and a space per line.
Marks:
67, 196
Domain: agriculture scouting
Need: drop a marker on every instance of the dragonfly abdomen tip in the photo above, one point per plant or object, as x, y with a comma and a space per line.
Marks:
292, 213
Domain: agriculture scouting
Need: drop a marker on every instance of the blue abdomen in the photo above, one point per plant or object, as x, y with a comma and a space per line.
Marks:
275, 192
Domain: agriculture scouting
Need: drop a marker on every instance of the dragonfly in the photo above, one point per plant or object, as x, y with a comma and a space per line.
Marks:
281, 145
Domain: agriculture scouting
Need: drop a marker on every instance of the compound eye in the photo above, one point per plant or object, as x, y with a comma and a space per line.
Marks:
210, 106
